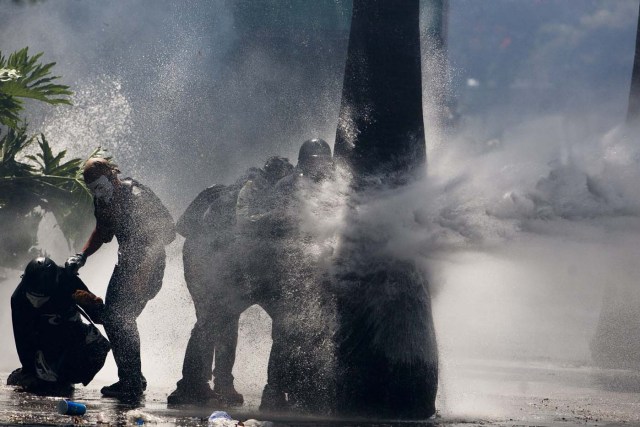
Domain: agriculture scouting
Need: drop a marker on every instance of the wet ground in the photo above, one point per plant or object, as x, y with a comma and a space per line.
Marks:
473, 392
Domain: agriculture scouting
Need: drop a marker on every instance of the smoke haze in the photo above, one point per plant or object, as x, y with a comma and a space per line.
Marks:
529, 213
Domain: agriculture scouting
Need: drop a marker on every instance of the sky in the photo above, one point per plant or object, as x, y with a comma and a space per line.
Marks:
220, 85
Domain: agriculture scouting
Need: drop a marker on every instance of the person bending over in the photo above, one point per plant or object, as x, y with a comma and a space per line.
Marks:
142, 226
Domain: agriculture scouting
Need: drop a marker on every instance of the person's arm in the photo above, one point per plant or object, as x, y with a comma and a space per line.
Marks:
93, 244
83, 297
99, 235
243, 204
75, 262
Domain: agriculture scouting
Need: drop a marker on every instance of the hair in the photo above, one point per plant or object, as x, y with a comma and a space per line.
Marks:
98, 166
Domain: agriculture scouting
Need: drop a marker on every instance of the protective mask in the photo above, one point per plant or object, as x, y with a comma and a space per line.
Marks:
102, 189
37, 300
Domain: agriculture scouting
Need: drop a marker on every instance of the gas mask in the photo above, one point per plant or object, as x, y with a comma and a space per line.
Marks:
102, 189
317, 167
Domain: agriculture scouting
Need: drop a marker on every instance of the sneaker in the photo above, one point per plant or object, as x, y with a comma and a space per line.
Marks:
124, 391
28, 382
228, 395
187, 396
117, 387
55, 389
22, 379
273, 400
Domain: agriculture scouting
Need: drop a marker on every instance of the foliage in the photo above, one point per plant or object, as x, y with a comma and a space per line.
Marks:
11, 145
40, 183
32, 185
27, 78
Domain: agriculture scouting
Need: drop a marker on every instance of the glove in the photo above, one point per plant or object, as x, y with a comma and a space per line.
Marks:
86, 299
74, 263
90, 303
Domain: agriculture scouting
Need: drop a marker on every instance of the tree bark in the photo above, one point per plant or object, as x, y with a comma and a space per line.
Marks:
385, 341
380, 128
633, 109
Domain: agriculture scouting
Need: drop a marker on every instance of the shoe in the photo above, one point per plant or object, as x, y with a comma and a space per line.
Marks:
54, 389
22, 379
29, 383
124, 391
116, 387
228, 395
194, 395
273, 400
124, 394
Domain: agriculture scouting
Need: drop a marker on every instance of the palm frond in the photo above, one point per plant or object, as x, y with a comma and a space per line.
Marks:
9, 107
34, 81
48, 181
11, 145
50, 164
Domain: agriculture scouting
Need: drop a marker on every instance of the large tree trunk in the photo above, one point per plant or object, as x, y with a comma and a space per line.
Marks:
616, 343
386, 347
633, 109
380, 129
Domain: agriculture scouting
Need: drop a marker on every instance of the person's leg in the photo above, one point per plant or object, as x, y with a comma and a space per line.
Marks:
269, 297
122, 307
226, 341
196, 369
121, 328
198, 359
273, 394
232, 296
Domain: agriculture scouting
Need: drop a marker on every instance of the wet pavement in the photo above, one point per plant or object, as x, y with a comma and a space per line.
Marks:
472, 392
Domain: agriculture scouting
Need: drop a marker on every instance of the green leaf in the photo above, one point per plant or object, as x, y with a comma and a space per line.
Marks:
35, 82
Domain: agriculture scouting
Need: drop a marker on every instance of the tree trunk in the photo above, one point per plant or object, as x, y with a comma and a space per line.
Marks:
380, 128
386, 345
633, 109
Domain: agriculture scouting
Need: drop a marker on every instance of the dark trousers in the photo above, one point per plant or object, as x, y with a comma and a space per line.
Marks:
218, 304
215, 333
301, 362
123, 305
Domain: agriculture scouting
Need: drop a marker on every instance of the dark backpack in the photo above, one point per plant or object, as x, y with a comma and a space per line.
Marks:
154, 210
215, 205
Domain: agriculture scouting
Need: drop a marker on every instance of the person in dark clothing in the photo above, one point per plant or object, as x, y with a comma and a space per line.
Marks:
219, 284
142, 226
299, 356
208, 230
56, 349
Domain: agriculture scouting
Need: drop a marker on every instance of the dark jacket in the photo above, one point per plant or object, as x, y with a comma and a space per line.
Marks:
136, 217
50, 326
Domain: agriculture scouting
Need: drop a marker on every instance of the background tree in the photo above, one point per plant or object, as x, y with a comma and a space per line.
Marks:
32, 185
616, 342
633, 108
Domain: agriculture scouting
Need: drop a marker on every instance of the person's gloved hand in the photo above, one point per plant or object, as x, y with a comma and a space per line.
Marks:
91, 304
86, 299
74, 262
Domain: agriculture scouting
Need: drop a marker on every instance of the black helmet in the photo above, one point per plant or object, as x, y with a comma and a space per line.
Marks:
277, 168
41, 275
314, 158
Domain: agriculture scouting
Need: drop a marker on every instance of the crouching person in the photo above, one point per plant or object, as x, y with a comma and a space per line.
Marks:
56, 348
